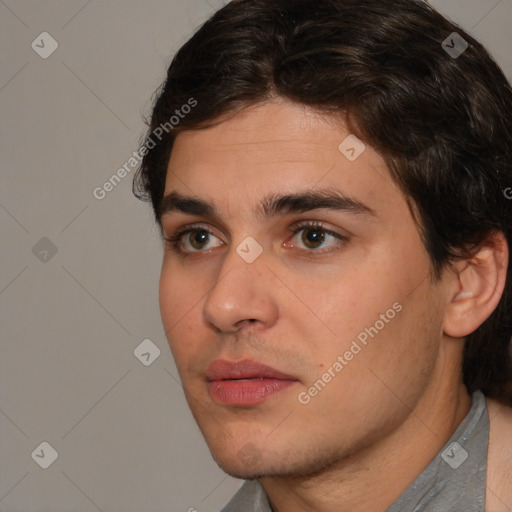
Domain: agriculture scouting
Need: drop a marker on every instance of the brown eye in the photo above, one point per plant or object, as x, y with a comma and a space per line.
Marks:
313, 237
193, 239
198, 238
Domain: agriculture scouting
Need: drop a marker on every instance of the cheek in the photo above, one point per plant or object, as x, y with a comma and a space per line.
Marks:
179, 305
170, 289
340, 306
381, 379
400, 355
369, 308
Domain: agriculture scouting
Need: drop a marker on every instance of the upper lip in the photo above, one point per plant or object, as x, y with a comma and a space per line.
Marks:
221, 369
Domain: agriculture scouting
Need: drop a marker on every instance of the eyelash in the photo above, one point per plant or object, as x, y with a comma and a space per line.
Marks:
308, 224
175, 240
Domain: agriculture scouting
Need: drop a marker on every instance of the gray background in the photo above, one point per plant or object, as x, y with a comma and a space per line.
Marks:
70, 320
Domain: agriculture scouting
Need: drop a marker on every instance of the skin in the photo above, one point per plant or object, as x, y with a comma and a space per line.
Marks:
499, 459
385, 416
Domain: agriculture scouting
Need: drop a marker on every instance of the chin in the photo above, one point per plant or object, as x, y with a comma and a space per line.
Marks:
250, 463
236, 469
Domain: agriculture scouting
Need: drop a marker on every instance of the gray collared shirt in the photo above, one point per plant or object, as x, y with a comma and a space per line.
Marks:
454, 481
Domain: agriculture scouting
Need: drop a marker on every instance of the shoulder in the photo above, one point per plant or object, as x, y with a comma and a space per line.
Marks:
250, 498
499, 458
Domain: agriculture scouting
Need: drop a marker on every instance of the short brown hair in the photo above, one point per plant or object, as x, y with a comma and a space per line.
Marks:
442, 122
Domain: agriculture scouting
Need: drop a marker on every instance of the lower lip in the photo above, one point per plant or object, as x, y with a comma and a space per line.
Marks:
246, 392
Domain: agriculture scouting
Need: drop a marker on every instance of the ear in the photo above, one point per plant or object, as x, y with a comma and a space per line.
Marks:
478, 284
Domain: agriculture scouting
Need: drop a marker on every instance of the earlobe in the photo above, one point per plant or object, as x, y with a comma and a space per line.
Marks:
478, 284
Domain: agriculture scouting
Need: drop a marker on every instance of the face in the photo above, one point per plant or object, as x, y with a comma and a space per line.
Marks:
295, 291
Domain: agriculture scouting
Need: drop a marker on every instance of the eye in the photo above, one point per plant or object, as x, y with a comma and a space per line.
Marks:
313, 236
193, 239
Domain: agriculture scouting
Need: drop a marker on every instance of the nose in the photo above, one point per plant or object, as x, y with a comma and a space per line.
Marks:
244, 293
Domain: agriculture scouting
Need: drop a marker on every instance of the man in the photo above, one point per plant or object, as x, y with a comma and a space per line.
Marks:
335, 286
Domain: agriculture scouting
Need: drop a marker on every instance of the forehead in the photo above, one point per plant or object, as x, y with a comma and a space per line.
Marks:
276, 148
278, 130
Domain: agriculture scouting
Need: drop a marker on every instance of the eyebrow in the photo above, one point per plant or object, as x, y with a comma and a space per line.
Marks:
271, 205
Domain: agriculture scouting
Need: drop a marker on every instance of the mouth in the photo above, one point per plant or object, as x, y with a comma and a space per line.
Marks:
245, 383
